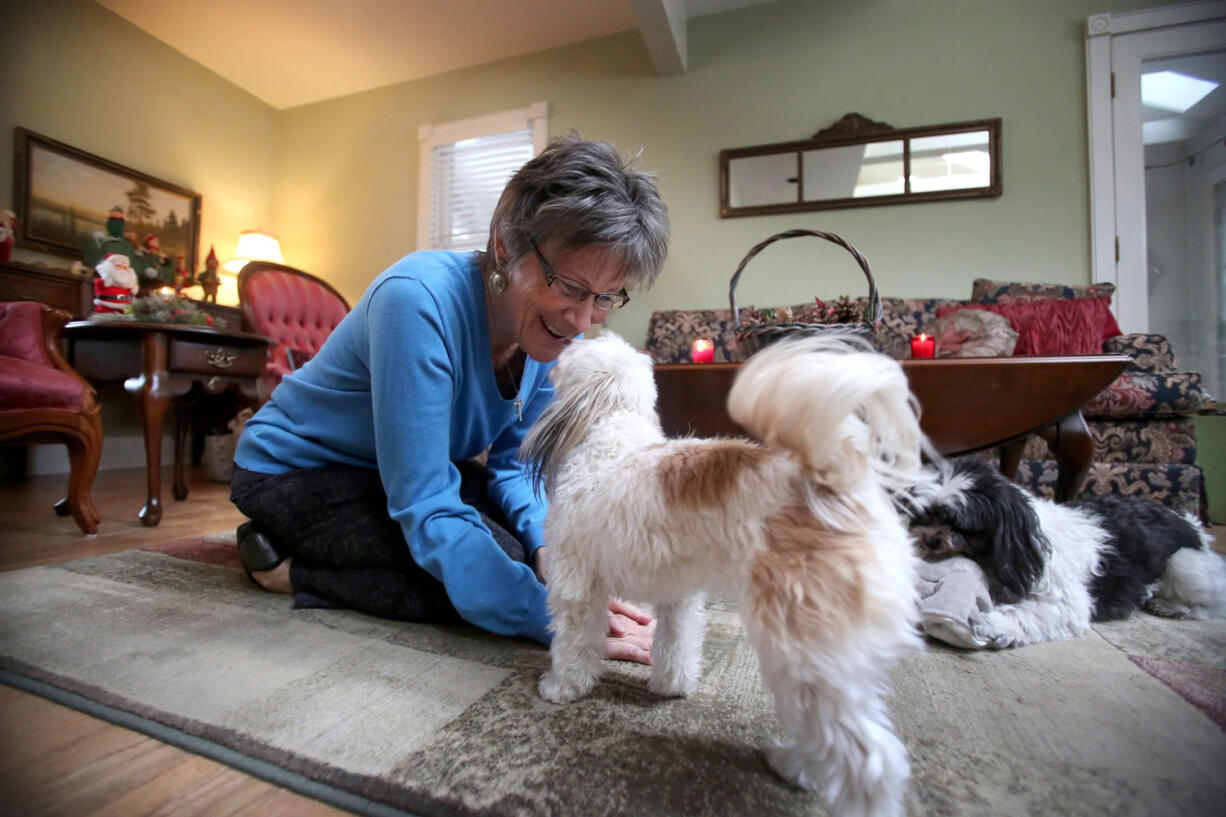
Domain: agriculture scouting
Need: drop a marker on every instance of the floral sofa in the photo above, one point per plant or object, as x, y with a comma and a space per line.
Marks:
1142, 426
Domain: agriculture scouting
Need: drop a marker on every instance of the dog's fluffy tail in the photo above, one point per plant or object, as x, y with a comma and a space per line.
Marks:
1193, 585
839, 405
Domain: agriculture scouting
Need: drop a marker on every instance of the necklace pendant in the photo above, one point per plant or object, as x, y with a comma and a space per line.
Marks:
519, 408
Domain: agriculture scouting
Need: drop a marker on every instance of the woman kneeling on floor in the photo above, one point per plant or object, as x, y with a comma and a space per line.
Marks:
360, 475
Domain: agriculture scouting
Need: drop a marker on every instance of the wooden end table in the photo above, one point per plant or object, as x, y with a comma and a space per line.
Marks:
966, 404
159, 364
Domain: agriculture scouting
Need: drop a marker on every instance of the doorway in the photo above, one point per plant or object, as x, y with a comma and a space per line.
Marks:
1158, 169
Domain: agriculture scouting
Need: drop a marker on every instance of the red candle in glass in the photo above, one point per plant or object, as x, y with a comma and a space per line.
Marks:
703, 351
923, 346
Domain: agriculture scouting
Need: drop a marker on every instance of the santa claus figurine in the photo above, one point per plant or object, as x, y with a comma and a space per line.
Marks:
115, 284
8, 223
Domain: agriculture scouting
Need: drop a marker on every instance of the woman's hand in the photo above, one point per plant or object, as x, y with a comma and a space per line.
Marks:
541, 559
630, 632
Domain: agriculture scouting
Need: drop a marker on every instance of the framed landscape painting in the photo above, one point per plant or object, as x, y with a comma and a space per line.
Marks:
65, 194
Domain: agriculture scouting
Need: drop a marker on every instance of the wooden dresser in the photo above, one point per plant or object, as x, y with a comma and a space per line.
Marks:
74, 293
58, 288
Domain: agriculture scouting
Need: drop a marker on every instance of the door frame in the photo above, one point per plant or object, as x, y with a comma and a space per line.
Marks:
1113, 200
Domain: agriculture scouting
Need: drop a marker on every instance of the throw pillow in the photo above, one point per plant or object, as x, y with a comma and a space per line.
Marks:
1054, 326
984, 291
973, 333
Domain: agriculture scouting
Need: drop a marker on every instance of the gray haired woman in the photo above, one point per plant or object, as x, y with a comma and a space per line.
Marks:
360, 475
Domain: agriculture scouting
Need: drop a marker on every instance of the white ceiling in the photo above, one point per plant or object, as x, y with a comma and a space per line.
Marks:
294, 52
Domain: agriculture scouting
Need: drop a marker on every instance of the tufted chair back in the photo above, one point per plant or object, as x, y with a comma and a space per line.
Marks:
21, 332
296, 309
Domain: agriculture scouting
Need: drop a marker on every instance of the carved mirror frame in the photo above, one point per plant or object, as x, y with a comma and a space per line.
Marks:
786, 163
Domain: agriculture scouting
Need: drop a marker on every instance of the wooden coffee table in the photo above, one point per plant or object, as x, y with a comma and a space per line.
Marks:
160, 363
966, 404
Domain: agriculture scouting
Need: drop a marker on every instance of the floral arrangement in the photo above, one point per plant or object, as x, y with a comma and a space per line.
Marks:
159, 307
842, 310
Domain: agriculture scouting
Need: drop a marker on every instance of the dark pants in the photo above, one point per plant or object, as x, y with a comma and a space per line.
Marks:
347, 551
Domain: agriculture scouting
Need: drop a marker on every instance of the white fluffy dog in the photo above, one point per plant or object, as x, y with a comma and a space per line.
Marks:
800, 530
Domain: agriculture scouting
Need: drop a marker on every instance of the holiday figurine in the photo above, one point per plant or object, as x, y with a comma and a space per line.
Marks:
183, 276
8, 224
98, 246
208, 279
115, 284
153, 268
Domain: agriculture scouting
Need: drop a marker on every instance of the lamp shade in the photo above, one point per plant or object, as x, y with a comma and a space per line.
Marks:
254, 245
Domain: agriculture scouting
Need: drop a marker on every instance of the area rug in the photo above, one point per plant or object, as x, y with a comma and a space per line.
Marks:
383, 717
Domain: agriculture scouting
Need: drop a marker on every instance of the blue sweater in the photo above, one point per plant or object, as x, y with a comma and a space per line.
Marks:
405, 384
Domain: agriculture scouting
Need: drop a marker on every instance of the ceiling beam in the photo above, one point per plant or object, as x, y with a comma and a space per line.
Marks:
663, 26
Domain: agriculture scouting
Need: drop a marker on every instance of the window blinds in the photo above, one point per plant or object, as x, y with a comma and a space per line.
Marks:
466, 179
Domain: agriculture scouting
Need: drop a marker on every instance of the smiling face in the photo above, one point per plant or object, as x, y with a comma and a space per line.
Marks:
541, 319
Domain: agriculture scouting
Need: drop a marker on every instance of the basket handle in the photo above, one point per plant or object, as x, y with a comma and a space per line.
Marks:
874, 299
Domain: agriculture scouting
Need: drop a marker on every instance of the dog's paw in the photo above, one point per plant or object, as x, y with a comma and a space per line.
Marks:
558, 689
667, 687
996, 631
792, 767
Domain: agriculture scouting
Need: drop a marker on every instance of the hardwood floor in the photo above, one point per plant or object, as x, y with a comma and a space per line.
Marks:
57, 761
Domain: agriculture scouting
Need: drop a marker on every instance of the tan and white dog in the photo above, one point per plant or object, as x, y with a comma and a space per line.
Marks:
799, 529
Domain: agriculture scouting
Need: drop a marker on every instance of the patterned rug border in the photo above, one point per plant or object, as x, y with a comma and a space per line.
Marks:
361, 794
31, 680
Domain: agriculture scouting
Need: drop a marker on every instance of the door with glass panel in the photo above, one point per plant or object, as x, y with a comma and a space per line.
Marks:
1169, 152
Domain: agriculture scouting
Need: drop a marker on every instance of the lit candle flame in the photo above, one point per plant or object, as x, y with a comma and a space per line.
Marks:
702, 345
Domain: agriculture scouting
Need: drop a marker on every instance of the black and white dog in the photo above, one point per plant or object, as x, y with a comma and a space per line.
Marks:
1053, 569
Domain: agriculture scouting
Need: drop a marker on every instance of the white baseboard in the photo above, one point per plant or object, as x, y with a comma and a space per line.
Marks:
117, 452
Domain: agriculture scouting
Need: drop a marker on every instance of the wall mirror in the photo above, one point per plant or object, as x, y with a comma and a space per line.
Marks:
858, 162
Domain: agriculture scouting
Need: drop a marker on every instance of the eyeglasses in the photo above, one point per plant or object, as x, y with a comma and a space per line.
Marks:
576, 291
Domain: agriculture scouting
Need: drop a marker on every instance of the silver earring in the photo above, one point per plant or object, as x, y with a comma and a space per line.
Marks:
498, 282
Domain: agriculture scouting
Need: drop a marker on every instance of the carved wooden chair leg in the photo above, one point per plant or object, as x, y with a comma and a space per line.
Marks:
78, 502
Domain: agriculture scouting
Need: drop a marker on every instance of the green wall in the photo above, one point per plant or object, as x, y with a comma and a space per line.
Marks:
347, 176
76, 72
1211, 456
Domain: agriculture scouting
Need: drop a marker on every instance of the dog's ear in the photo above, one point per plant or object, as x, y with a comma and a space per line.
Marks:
588, 391
998, 521
1018, 550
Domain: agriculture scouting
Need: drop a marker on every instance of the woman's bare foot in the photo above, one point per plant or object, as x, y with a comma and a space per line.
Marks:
275, 580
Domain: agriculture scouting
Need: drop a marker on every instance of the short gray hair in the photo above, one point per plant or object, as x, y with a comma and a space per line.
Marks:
580, 194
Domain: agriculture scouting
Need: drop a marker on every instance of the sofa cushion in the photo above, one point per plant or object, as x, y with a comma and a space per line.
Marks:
1054, 326
27, 385
985, 291
903, 319
1153, 440
670, 333
1180, 487
1149, 394
1149, 353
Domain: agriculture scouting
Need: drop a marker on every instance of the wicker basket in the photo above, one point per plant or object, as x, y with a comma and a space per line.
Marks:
752, 339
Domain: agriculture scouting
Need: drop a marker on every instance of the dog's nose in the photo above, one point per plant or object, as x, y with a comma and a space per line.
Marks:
929, 538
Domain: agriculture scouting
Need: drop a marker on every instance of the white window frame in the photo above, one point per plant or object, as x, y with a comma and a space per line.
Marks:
534, 116
1117, 205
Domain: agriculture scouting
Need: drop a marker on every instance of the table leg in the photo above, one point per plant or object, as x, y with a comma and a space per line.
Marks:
1070, 442
152, 400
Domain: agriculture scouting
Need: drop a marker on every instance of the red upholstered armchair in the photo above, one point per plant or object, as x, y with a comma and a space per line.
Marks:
43, 399
296, 309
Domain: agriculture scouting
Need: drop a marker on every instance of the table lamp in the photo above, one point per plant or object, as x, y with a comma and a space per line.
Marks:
254, 245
